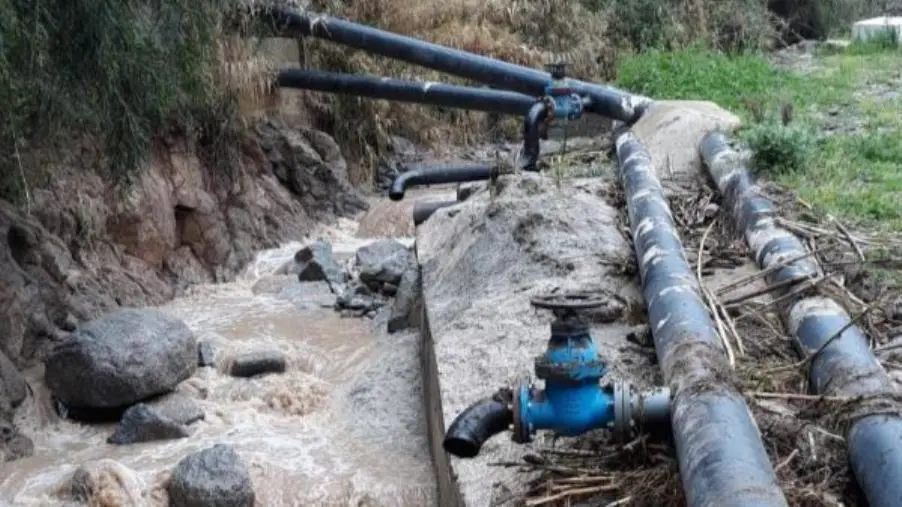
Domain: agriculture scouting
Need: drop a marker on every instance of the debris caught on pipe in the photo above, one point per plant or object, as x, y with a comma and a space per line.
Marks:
437, 94
843, 365
722, 460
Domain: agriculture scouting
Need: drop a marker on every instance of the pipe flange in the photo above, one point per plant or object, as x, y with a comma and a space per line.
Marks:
623, 414
519, 433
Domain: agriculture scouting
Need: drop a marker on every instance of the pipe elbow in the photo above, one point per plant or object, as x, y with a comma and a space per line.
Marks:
475, 425
400, 184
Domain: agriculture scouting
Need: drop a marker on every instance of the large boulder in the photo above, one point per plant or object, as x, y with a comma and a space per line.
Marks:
214, 477
121, 358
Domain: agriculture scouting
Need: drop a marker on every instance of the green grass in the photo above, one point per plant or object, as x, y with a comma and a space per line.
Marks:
845, 130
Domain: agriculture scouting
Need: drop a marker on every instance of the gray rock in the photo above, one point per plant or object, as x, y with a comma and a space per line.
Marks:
382, 262
178, 407
121, 358
12, 384
405, 307
141, 423
206, 355
258, 363
214, 477
317, 263
13, 444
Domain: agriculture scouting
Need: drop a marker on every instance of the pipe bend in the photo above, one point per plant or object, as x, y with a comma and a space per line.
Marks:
532, 133
475, 425
400, 184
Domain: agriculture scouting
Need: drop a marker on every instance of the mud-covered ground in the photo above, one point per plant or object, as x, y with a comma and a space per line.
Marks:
802, 432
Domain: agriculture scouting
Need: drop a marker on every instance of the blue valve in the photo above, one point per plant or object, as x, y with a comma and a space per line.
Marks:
563, 102
574, 401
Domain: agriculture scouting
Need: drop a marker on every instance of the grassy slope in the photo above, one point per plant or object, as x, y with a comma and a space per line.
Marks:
846, 131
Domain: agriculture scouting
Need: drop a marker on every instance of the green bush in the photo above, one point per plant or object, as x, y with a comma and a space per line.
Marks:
778, 148
120, 71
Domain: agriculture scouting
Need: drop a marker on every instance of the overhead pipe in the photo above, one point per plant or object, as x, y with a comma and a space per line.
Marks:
422, 210
437, 94
722, 460
436, 175
288, 22
843, 367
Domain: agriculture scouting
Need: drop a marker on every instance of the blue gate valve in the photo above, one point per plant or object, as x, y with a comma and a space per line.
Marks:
563, 102
574, 401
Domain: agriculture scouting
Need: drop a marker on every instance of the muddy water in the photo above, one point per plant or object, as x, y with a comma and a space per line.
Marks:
343, 426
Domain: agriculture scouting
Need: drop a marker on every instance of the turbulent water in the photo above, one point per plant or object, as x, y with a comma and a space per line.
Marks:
343, 426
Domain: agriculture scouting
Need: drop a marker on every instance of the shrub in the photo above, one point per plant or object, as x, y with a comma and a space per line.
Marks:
778, 148
119, 71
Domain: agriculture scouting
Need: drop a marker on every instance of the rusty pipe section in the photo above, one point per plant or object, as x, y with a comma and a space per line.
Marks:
844, 367
721, 457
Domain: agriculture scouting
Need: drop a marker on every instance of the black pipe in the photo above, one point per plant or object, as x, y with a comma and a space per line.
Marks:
475, 425
533, 125
422, 210
437, 94
436, 175
845, 367
606, 101
721, 457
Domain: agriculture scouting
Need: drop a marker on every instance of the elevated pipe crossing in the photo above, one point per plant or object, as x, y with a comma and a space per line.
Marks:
437, 94
841, 366
721, 457
606, 101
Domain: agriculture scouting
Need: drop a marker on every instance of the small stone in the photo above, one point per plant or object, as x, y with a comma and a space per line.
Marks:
214, 477
141, 423
258, 363
206, 355
317, 263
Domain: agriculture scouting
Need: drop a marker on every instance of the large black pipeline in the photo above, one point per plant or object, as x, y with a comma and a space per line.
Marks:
606, 101
436, 175
437, 94
478, 423
844, 367
721, 457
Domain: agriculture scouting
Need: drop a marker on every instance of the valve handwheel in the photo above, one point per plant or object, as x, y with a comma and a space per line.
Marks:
573, 301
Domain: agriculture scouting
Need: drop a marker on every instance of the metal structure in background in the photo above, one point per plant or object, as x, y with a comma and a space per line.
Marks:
439, 174
842, 366
604, 100
573, 401
436, 94
721, 456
